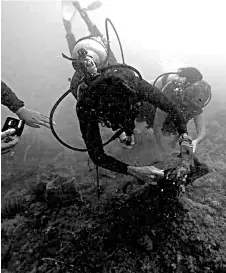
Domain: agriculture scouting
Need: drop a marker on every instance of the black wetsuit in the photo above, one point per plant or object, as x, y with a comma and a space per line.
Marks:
9, 98
89, 110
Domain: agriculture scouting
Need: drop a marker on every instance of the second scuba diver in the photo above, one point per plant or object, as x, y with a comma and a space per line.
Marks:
191, 93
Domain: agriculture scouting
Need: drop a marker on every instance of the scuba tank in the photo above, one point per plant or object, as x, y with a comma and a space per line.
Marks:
97, 46
94, 47
94, 44
194, 89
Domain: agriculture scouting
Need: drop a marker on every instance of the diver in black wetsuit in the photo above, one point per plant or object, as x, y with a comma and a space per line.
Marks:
113, 98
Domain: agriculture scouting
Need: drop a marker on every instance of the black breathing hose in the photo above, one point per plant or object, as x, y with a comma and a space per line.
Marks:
168, 73
107, 20
115, 136
120, 131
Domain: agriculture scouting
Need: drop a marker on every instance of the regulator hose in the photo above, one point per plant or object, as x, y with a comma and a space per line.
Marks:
116, 135
107, 20
168, 73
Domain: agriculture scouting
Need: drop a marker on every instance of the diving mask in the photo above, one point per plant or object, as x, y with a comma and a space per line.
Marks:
90, 65
180, 81
85, 63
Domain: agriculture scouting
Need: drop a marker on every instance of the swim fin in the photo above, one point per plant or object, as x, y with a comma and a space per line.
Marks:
93, 6
68, 10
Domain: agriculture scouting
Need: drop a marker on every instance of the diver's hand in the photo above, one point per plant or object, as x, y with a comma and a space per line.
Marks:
194, 145
32, 118
8, 141
146, 173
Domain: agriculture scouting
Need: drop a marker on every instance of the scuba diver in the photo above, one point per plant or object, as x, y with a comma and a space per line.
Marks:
191, 94
96, 46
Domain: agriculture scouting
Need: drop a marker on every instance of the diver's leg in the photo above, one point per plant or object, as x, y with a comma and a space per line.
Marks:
67, 22
94, 31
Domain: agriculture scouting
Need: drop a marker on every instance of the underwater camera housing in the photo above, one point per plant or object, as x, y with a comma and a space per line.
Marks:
13, 123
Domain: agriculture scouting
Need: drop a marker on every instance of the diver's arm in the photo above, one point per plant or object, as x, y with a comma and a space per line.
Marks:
200, 127
153, 95
160, 117
9, 98
91, 135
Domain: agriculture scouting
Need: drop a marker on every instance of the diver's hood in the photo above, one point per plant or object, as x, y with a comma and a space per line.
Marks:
95, 48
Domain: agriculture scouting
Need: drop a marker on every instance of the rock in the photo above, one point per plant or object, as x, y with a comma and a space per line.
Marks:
39, 191
188, 203
208, 221
61, 190
224, 268
210, 211
179, 258
208, 199
215, 204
